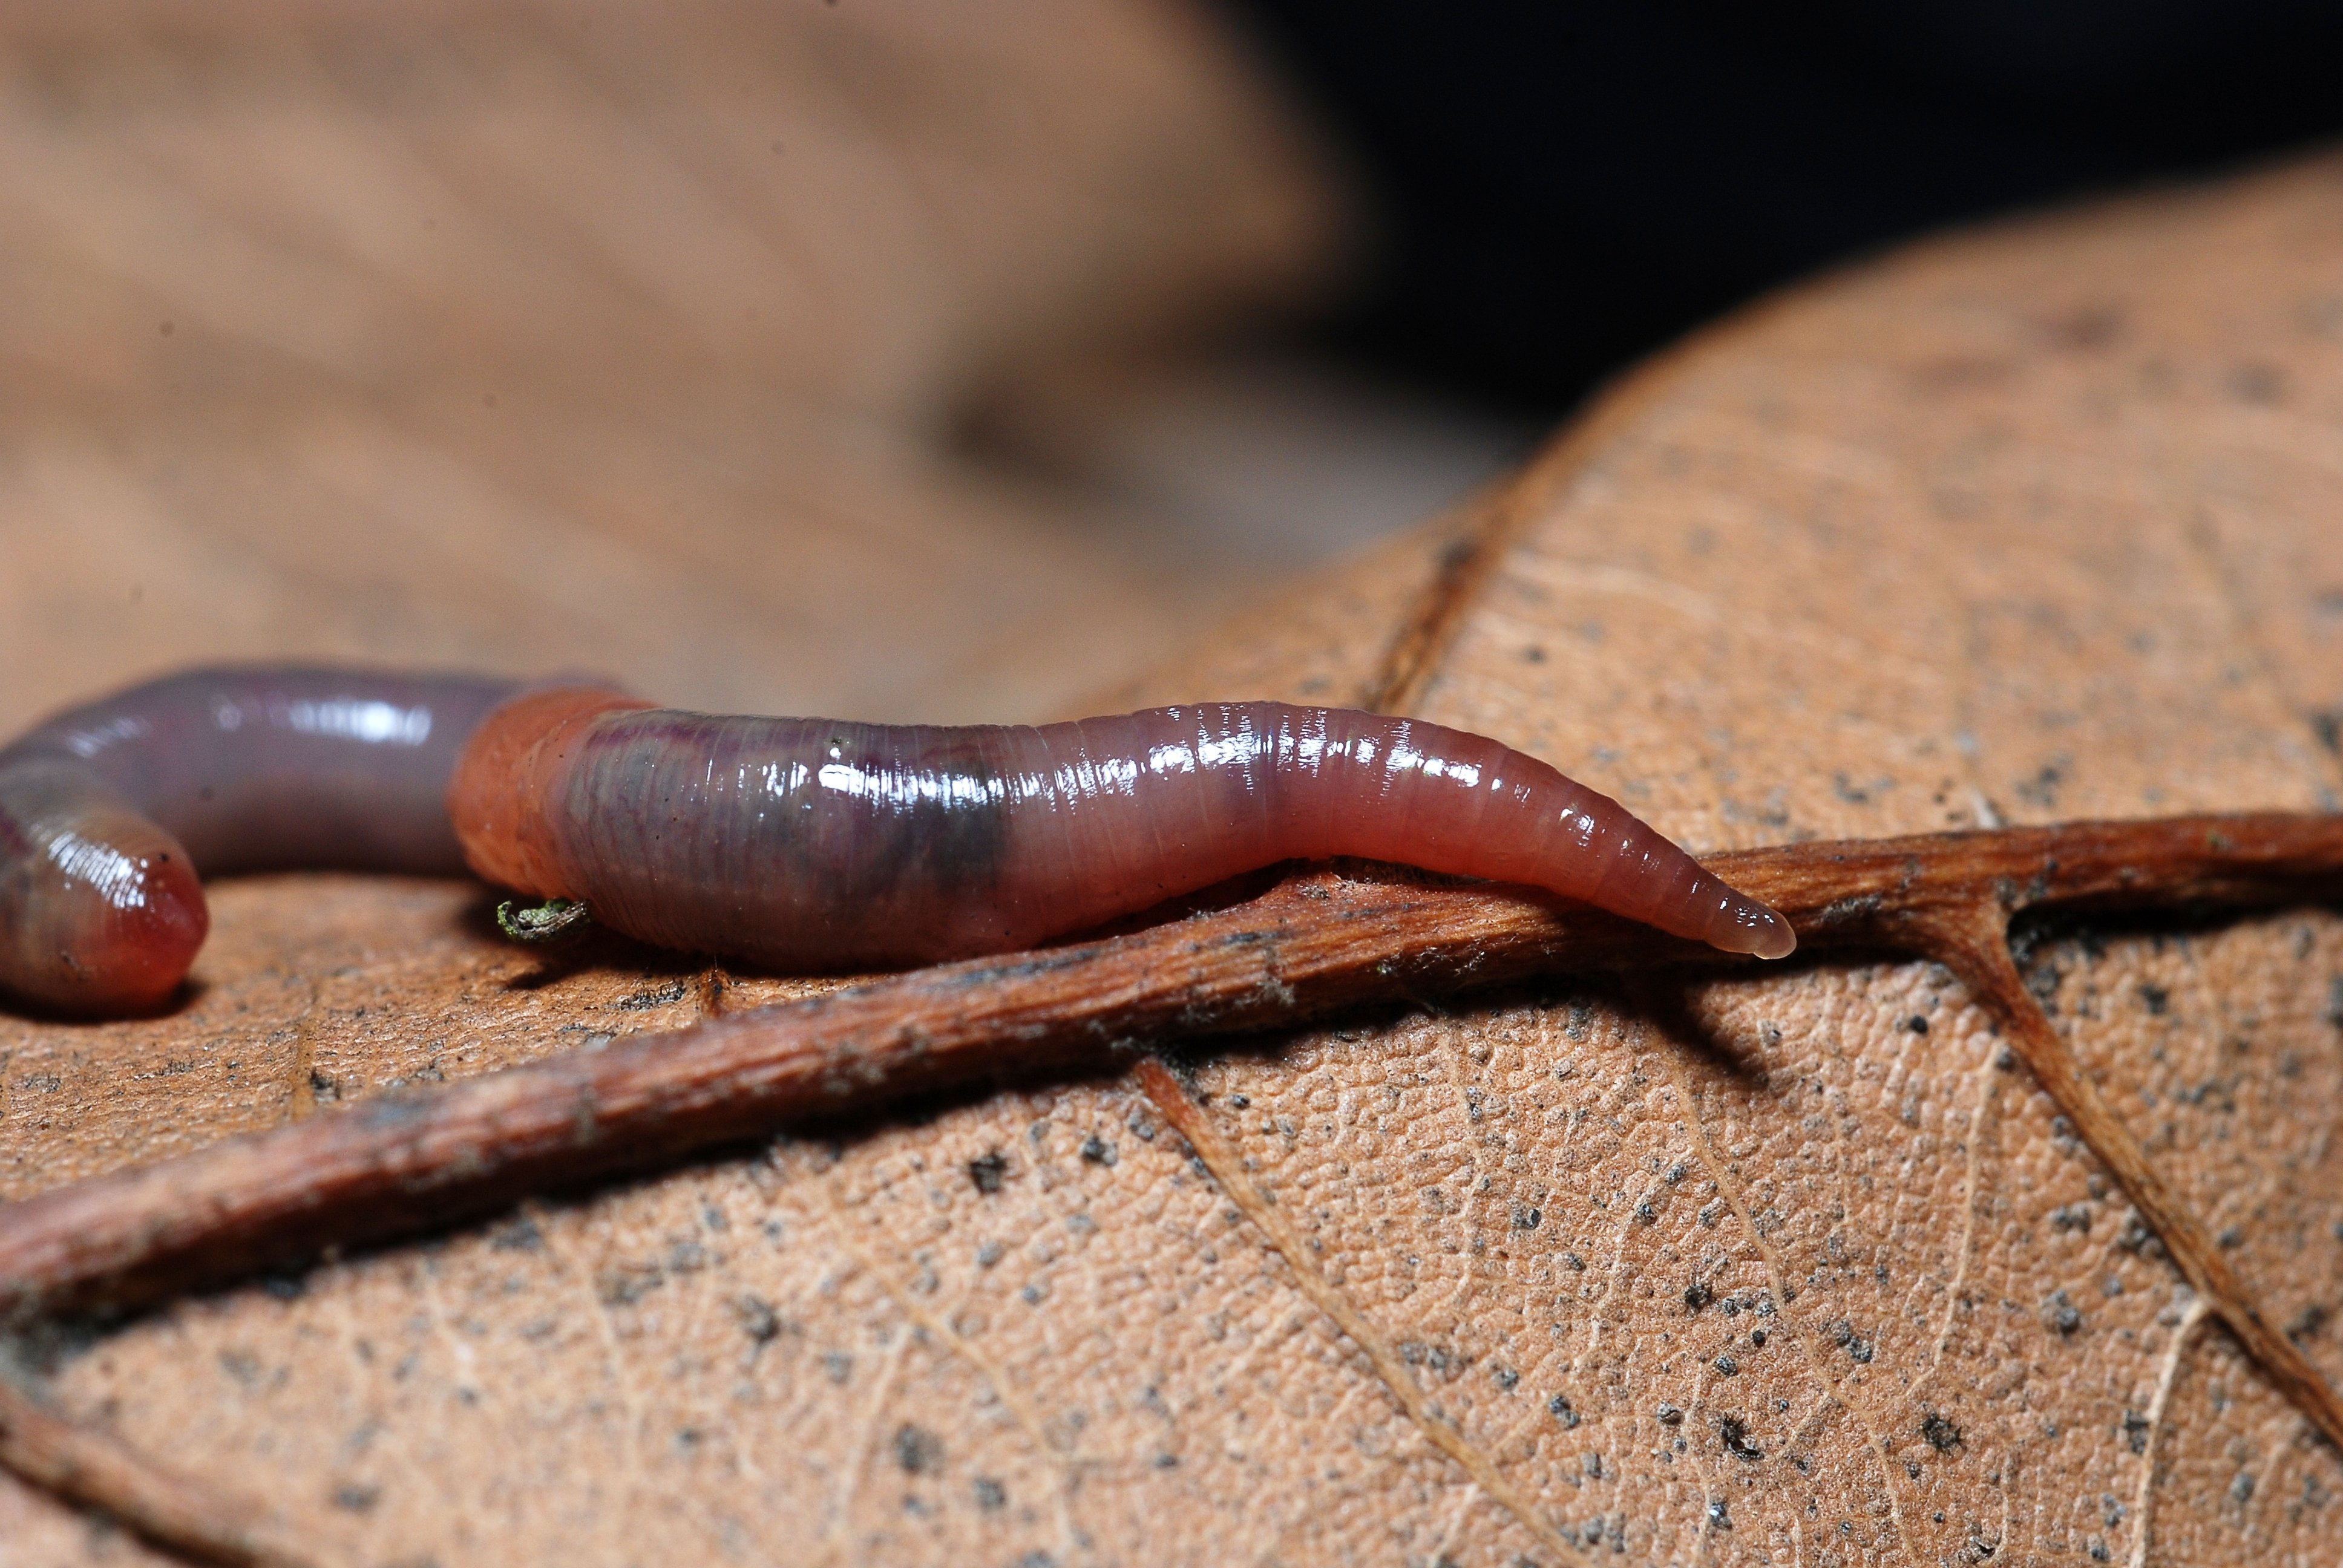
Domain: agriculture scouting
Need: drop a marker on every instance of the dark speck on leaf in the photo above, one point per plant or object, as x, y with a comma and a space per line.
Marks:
758, 1318
1942, 1434
1697, 1294
1718, 1519
987, 1170
2061, 1313
1842, 1334
1917, 1024
1559, 1408
1735, 1433
2329, 727
918, 1450
519, 1236
1098, 1150
2257, 382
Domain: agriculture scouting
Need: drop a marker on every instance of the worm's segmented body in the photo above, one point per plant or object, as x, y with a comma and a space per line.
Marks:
800, 843
813, 843
108, 812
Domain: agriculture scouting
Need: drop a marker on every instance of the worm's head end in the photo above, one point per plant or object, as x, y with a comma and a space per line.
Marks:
103, 916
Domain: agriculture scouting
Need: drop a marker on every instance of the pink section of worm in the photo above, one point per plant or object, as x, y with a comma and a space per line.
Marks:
819, 844
799, 843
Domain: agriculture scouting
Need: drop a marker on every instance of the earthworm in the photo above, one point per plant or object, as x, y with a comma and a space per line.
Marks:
108, 810
820, 844
810, 844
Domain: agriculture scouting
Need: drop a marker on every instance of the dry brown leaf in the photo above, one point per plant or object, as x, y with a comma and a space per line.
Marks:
2026, 525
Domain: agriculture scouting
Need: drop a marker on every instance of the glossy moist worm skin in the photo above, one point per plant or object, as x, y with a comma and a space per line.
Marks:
108, 812
818, 844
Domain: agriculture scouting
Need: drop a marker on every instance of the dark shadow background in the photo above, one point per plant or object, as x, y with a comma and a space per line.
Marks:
1566, 185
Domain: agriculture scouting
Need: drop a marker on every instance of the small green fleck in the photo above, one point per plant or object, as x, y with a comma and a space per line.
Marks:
541, 922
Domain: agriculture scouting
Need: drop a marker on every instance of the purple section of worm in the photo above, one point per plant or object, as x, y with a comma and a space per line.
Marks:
104, 808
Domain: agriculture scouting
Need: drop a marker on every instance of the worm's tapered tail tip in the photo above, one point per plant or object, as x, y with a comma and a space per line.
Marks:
1773, 939
1746, 925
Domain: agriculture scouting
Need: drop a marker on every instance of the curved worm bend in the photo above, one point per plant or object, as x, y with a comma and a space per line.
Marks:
106, 811
797, 843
